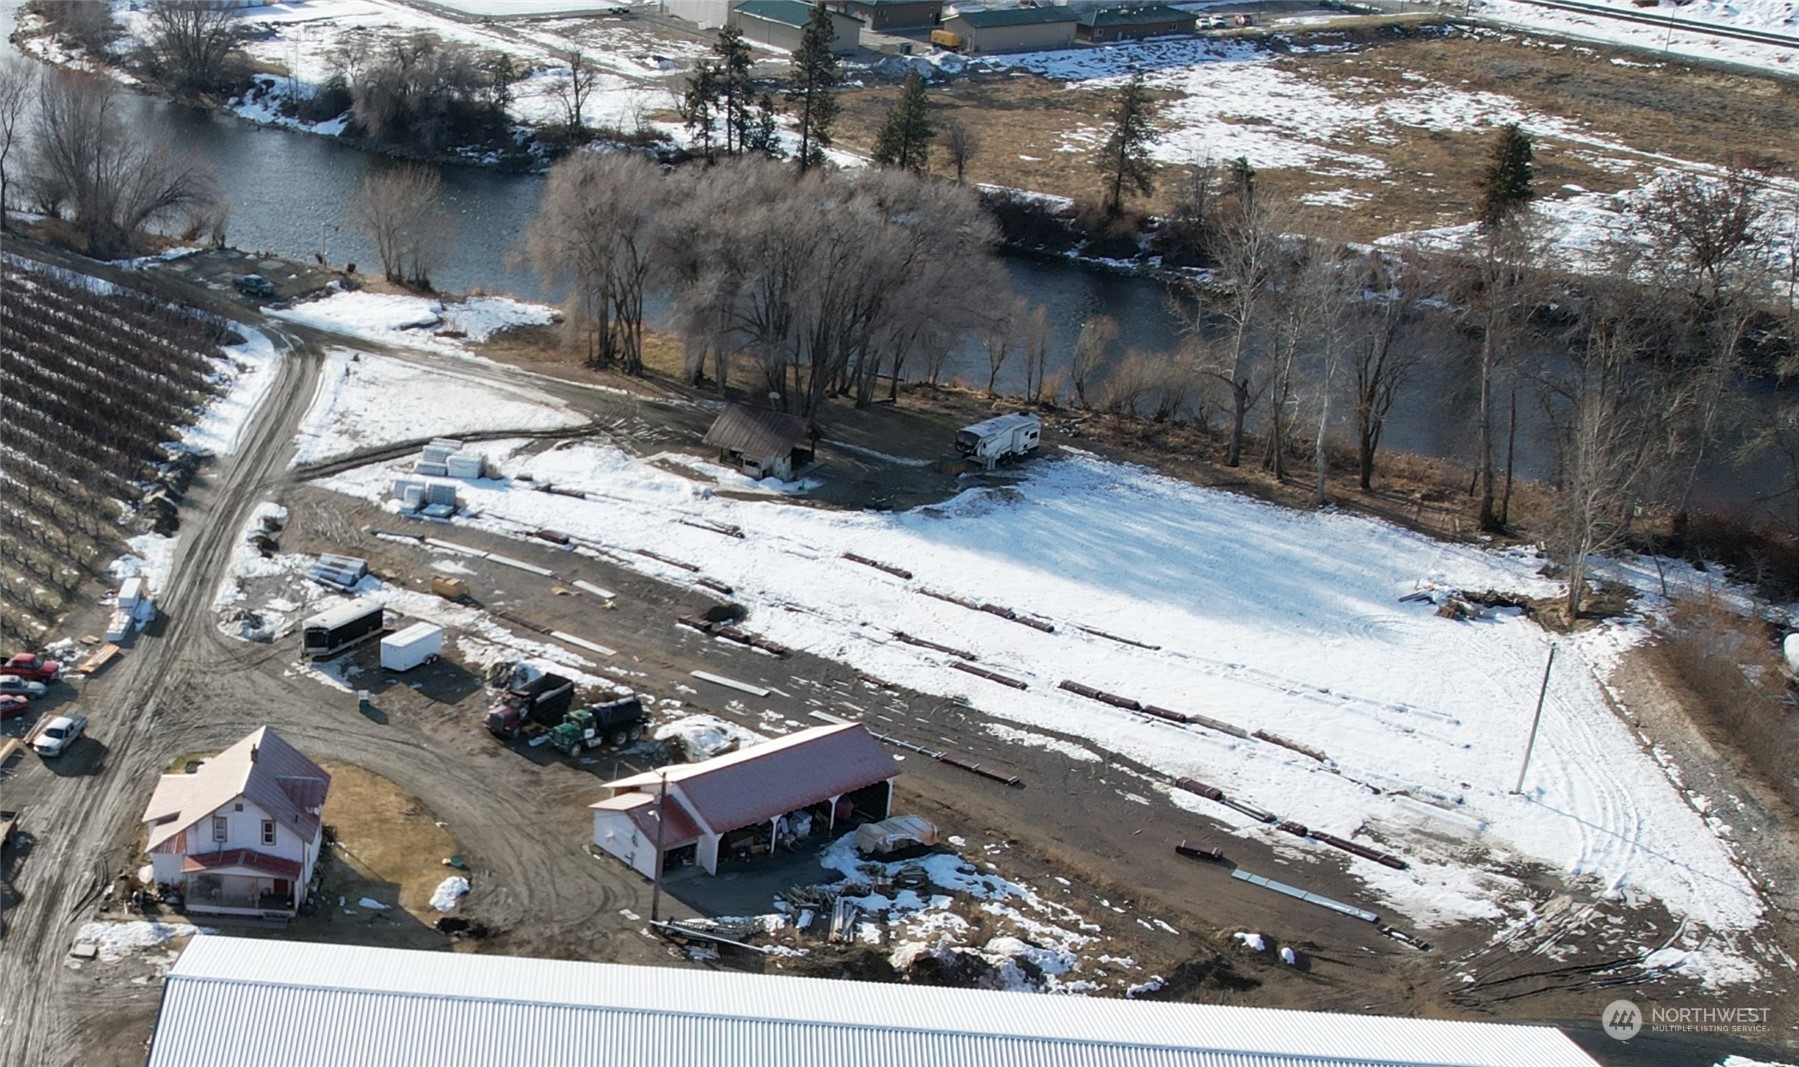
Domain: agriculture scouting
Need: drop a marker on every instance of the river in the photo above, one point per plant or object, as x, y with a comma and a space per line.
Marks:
290, 195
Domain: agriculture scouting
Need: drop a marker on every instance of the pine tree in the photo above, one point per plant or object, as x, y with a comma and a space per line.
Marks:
1124, 158
814, 89
762, 136
1505, 186
699, 105
905, 138
734, 85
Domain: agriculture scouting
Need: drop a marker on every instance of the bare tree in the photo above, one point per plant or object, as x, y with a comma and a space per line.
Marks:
1035, 350
960, 143
194, 46
1092, 347
999, 338
1379, 362
1611, 451
401, 208
1135, 377
116, 183
86, 23
573, 90
1245, 247
18, 91
595, 231
1498, 300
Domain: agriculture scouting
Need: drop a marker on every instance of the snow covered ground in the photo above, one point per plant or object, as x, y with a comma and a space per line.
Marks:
1771, 16
415, 321
358, 406
1267, 619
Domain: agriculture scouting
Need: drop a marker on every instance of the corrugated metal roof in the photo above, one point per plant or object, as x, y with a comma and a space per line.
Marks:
641, 809
1151, 14
758, 433
756, 784
1015, 16
262, 768
788, 12
237, 1002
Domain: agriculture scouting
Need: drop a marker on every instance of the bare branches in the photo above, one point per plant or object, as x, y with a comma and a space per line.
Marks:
594, 231
18, 91
194, 46
401, 209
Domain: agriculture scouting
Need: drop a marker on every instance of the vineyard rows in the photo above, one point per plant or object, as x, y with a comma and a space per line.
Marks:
93, 382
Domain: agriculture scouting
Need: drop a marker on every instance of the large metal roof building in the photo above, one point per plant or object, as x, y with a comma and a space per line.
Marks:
237, 1002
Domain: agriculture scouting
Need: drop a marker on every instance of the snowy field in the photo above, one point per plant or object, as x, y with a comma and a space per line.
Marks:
1267, 619
355, 408
415, 321
1770, 16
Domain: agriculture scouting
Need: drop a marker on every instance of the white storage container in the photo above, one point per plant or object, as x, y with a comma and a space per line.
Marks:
130, 592
417, 644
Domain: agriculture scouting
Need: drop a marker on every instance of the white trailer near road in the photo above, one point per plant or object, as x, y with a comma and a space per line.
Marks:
1001, 438
418, 644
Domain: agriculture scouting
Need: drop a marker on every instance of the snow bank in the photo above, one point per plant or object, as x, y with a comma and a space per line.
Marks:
448, 893
1267, 618
251, 369
364, 401
702, 737
115, 941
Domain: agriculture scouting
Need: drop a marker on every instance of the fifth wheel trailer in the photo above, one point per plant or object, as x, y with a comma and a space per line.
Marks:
1001, 438
330, 632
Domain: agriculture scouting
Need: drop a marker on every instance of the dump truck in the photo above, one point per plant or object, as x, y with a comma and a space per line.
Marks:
616, 723
1000, 439
544, 700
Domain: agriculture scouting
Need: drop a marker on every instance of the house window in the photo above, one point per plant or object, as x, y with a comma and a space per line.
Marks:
218, 828
268, 831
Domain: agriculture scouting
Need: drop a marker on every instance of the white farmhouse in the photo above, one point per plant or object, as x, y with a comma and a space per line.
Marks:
241, 834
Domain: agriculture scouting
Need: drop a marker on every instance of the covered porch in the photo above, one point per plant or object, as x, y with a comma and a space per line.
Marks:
241, 882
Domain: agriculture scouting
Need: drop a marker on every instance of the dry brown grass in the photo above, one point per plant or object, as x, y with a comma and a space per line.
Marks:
1731, 665
389, 840
1662, 110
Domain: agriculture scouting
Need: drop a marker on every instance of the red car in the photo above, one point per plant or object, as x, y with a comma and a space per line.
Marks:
31, 666
11, 704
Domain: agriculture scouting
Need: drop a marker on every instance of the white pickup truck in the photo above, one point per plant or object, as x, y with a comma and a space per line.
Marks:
53, 738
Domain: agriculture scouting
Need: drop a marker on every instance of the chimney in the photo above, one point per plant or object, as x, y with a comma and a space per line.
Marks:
253, 751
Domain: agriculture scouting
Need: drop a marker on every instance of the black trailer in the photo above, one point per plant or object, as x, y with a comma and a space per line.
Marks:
330, 632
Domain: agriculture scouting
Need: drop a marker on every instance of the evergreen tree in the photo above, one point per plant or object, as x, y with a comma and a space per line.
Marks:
733, 54
814, 89
699, 105
1124, 158
1505, 186
905, 138
761, 138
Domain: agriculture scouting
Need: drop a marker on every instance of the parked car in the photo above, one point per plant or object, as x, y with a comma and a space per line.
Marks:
33, 666
1215, 22
13, 685
55, 736
254, 285
11, 705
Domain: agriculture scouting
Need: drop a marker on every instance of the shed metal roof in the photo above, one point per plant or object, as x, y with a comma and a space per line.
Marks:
1148, 14
758, 433
756, 784
262, 768
640, 808
1015, 16
240, 1002
789, 12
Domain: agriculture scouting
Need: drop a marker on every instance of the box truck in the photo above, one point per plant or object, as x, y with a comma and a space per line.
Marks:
416, 645
330, 632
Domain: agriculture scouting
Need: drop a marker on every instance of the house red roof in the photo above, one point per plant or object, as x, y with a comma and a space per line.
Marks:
245, 858
756, 784
641, 807
261, 768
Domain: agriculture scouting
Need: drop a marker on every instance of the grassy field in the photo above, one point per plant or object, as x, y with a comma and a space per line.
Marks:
1618, 118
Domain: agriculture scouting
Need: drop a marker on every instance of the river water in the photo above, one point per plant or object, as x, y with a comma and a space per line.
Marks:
290, 196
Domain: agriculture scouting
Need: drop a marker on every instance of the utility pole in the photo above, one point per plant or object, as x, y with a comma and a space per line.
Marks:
1532, 743
661, 824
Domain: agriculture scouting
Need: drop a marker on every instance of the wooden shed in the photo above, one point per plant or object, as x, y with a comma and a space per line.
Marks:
760, 442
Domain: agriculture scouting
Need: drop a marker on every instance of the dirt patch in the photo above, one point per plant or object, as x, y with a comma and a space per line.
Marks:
387, 846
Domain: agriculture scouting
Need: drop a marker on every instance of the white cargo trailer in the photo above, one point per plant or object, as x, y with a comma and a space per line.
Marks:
1001, 438
418, 644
